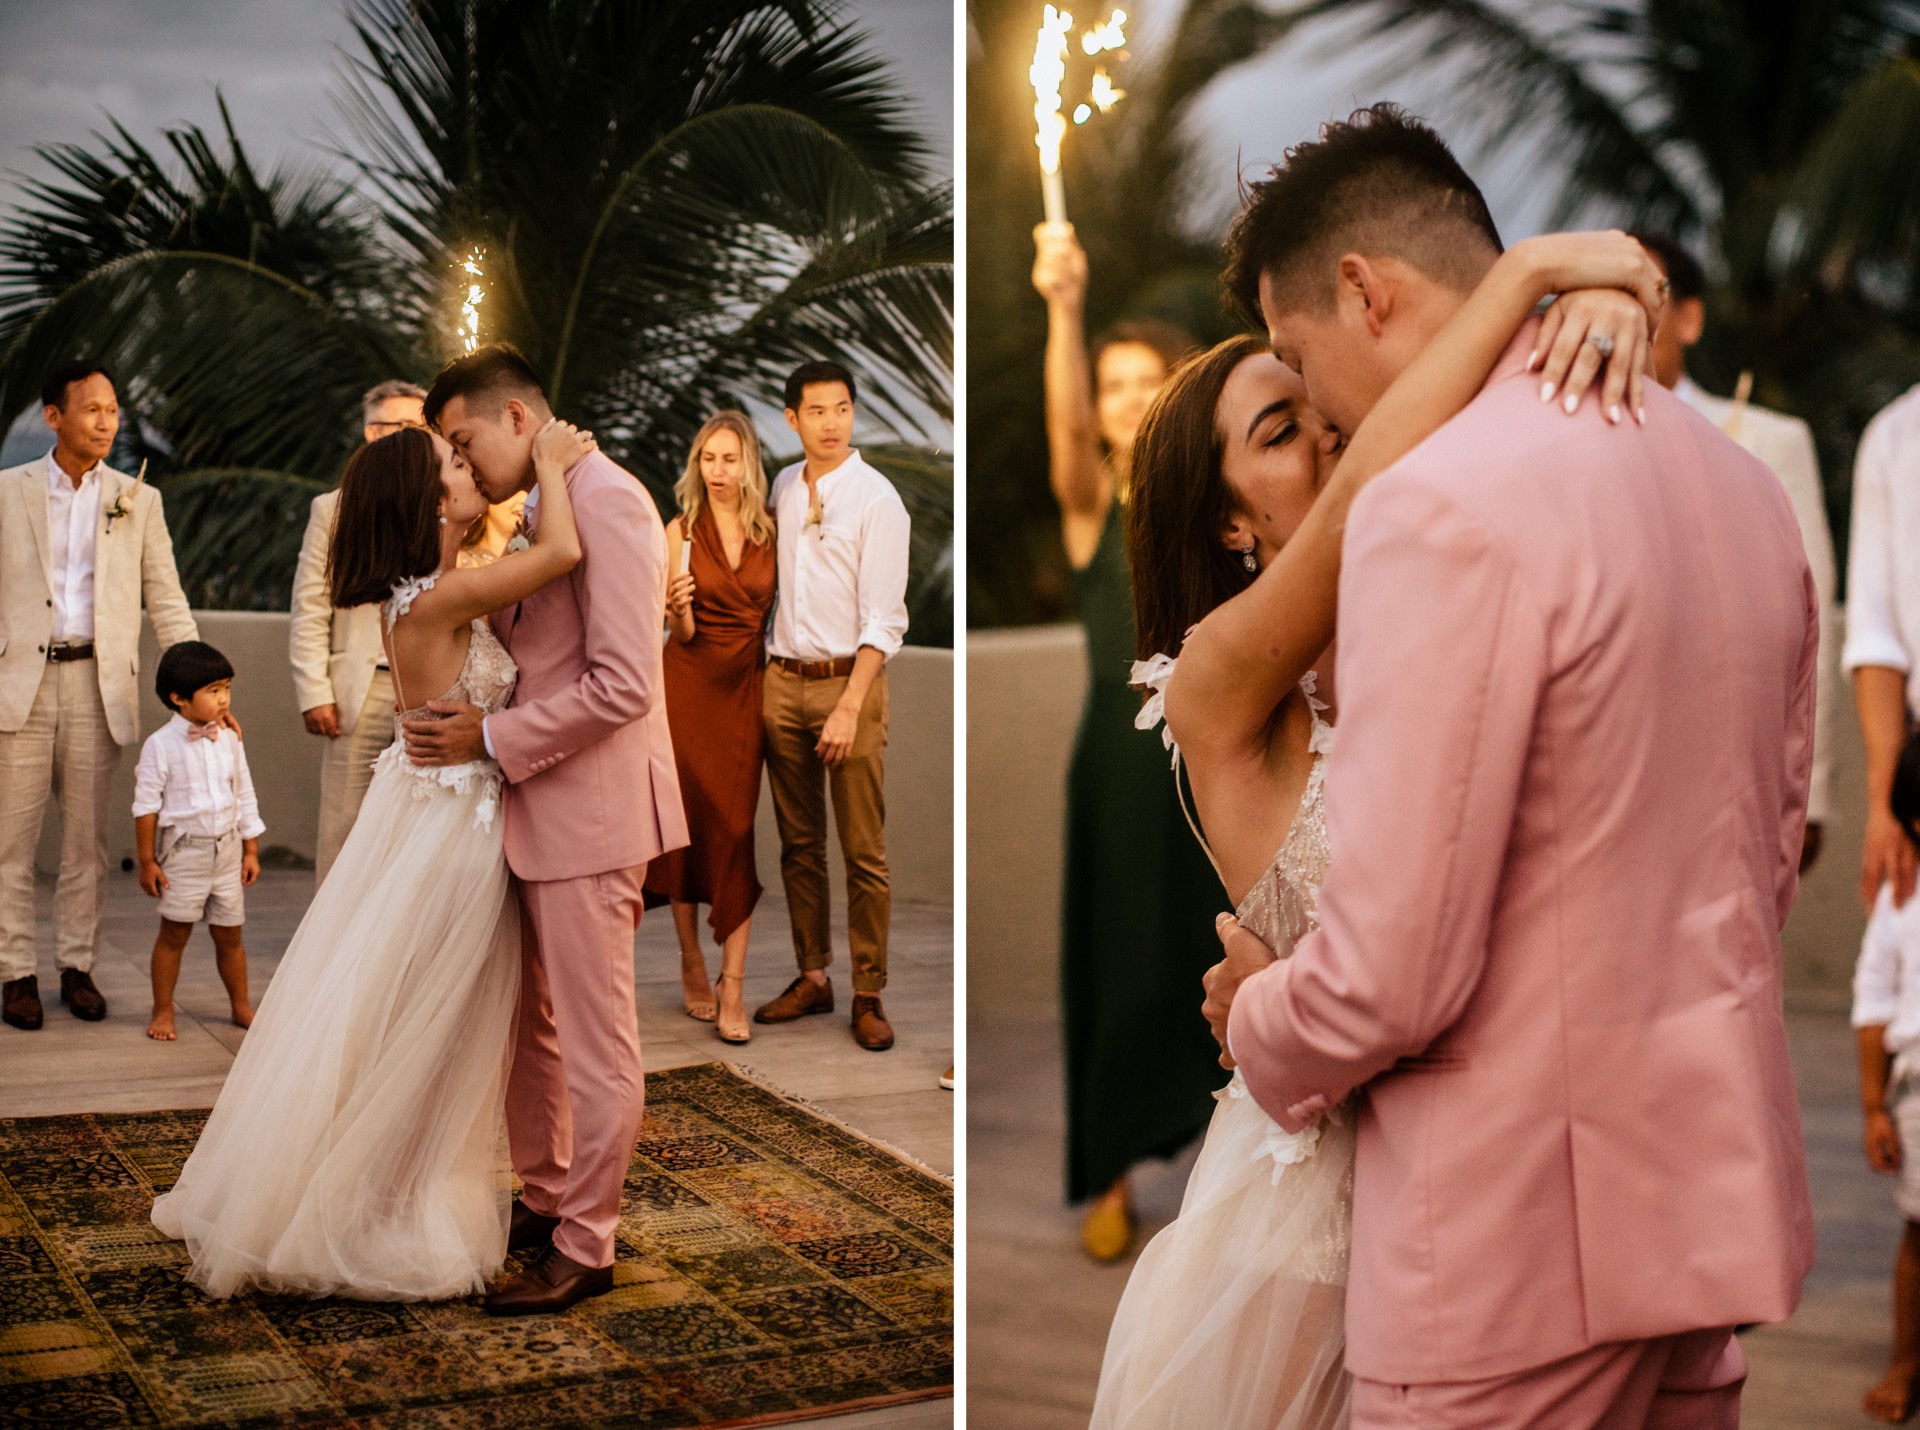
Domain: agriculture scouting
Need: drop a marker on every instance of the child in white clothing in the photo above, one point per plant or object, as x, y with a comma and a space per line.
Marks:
196, 827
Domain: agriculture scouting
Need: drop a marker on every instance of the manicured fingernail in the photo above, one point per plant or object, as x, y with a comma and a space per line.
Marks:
1571, 404
1533, 361
1546, 392
1640, 415
1613, 414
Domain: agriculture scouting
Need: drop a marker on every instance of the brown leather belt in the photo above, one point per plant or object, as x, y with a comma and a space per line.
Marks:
71, 650
815, 669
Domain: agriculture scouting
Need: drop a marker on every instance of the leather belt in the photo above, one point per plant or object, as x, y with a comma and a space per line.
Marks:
70, 650
815, 669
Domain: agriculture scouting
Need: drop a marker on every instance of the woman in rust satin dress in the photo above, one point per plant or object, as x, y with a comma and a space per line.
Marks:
717, 605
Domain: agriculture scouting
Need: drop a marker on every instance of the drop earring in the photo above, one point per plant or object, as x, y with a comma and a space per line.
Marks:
443, 521
1247, 560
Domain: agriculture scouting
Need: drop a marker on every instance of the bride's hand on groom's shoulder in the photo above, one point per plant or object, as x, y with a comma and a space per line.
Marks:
561, 443
1611, 298
1245, 956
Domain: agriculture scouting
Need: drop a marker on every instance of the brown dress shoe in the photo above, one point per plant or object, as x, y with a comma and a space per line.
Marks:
20, 1002
553, 1283
803, 996
79, 994
871, 1030
526, 1227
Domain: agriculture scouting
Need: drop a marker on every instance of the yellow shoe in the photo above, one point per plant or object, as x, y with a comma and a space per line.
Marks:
1107, 1229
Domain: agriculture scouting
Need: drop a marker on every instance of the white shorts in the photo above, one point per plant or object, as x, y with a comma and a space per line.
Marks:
1904, 1105
203, 879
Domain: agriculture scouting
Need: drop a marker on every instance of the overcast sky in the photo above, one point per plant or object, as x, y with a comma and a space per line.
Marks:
150, 63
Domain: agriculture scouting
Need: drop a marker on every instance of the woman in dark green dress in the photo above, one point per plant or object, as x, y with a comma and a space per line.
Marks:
1139, 898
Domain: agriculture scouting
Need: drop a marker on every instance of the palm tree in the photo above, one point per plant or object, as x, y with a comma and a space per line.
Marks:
676, 202
1131, 180
1780, 136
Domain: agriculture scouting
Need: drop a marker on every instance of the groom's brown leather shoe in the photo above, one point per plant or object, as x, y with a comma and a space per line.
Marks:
803, 996
80, 996
526, 1227
20, 1002
871, 1030
553, 1283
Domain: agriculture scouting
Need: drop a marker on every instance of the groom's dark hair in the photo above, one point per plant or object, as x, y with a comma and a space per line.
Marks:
486, 377
1381, 184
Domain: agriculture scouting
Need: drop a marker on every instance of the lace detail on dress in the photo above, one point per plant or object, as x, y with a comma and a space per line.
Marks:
486, 680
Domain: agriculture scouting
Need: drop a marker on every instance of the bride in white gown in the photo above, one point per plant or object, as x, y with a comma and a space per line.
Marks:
1234, 1315
357, 1147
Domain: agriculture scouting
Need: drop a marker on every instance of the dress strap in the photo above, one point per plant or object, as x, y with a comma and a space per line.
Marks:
1153, 675
405, 593
1180, 793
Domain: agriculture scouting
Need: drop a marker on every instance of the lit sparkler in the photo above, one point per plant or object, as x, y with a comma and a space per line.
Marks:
1048, 72
469, 328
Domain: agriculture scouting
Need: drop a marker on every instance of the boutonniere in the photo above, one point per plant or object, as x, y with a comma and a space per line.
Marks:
518, 541
119, 507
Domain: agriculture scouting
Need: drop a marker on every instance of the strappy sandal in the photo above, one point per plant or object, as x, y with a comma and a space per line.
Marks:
741, 1034
701, 1010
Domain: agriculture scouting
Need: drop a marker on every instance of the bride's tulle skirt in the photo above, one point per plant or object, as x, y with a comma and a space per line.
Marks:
1234, 1317
358, 1146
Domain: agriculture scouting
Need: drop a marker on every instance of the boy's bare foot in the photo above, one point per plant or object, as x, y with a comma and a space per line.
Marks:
243, 1015
161, 1028
1892, 1399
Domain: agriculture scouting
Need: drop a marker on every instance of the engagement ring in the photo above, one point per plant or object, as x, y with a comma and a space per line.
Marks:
1602, 344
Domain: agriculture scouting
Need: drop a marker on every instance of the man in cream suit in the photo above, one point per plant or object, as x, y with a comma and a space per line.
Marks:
1785, 444
339, 667
81, 547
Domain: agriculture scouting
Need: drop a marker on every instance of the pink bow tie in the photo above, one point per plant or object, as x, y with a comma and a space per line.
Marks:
202, 732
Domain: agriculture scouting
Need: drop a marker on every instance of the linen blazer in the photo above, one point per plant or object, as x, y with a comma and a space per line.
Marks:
1785, 444
333, 652
591, 780
133, 562
1576, 681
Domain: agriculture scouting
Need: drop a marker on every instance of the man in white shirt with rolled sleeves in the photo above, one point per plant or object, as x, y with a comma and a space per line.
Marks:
340, 675
1883, 625
82, 548
840, 615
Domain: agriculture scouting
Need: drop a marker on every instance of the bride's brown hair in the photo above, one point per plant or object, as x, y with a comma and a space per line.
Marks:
387, 527
1181, 503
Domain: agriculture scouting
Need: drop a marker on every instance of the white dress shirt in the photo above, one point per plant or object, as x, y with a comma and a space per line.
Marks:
73, 520
842, 579
1886, 980
196, 786
1883, 559
1785, 444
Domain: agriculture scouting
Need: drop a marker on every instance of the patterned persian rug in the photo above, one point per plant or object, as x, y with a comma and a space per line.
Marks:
772, 1267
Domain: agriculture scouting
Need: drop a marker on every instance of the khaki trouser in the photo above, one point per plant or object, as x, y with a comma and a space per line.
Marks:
793, 710
347, 769
65, 749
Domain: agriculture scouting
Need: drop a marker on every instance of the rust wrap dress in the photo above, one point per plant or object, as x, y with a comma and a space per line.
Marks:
713, 710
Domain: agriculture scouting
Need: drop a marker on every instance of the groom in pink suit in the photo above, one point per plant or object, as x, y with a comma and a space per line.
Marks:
1576, 688
592, 796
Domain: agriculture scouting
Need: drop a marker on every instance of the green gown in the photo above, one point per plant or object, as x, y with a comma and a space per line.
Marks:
1137, 917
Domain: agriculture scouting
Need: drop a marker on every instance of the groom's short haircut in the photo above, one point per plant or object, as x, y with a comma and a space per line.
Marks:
808, 373
486, 377
1381, 184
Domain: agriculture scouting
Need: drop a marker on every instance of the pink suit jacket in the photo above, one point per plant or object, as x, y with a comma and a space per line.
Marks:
1576, 679
591, 782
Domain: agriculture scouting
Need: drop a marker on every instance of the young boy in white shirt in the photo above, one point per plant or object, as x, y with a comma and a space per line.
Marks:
196, 827
1886, 1013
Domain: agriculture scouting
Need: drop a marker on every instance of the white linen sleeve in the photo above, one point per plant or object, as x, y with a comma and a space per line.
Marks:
1873, 635
881, 590
150, 777
1876, 977
248, 814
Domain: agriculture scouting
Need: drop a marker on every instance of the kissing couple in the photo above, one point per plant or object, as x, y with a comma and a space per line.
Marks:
1511, 1138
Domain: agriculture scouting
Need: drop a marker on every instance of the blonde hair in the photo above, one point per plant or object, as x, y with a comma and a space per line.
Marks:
691, 493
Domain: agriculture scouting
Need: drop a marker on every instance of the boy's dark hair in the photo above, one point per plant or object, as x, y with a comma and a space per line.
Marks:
53, 392
1684, 275
1381, 183
1906, 788
188, 667
811, 372
486, 377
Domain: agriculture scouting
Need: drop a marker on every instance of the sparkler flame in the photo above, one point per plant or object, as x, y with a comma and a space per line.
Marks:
1049, 68
1112, 35
469, 327
1105, 96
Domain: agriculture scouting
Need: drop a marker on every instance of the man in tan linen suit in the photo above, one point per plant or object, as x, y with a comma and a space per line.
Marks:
339, 667
81, 547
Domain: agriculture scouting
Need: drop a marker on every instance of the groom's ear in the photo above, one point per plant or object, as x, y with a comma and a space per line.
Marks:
1365, 291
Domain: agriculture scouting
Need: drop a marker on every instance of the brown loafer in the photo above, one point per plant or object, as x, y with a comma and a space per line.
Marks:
80, 996
871, 1030
553, 1283
527, 1228
803, 996
20, 1002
